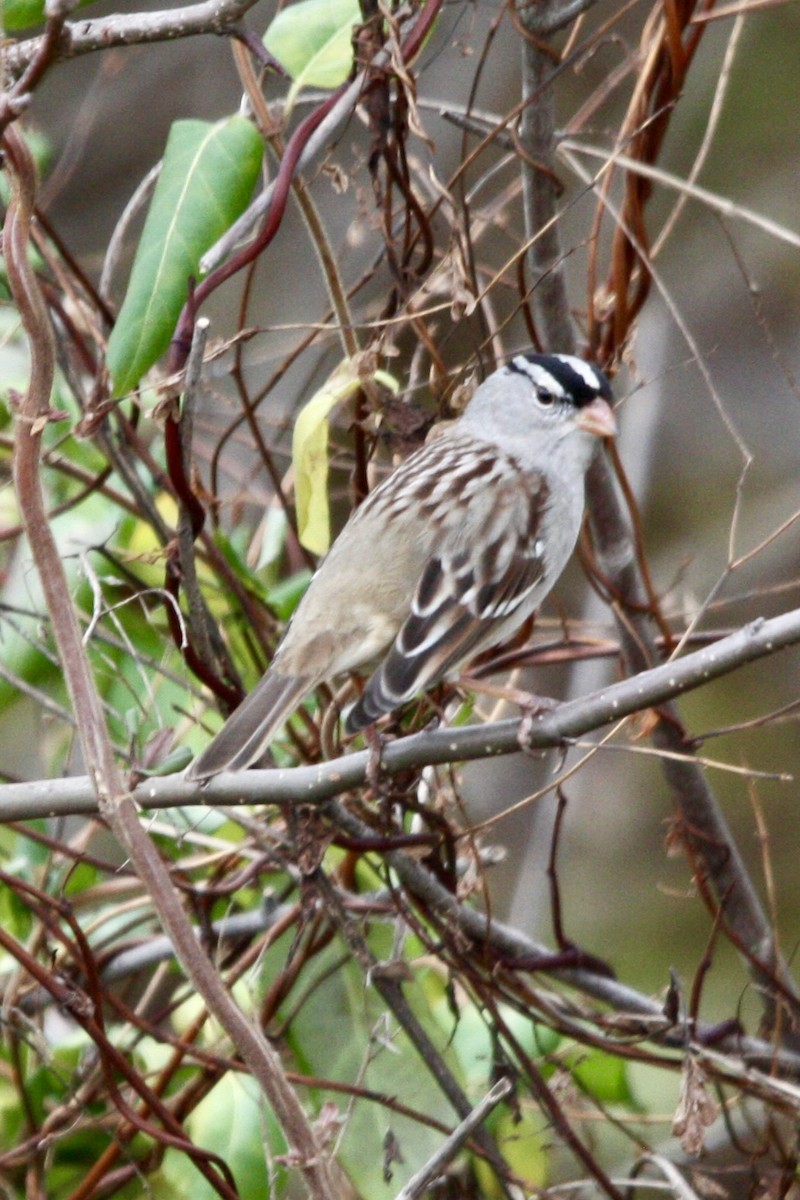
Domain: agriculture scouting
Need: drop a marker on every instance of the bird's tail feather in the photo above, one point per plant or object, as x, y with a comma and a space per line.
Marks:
249, 730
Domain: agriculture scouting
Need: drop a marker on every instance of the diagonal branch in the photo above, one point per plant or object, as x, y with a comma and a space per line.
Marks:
321, 781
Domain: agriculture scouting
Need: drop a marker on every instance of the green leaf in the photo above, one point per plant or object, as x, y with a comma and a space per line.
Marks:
312, 40
342, 1032
233, 1121
470, 1037
285, 596
310, 453
206, 180
21, 14
604, 1076
42, 151
524, 1143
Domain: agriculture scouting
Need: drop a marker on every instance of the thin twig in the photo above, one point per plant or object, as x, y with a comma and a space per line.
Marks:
722, 205
87, 36
451, 1145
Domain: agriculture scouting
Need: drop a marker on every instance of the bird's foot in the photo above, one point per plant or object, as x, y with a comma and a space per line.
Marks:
532, 707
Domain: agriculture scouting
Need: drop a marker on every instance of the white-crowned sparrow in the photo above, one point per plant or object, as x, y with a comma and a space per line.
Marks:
445, 558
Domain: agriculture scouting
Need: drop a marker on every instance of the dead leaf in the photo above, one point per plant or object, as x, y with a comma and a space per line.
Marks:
697, 1108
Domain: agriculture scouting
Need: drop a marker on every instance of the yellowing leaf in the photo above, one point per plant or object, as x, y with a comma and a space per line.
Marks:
312, 40
523, 1142
310, 453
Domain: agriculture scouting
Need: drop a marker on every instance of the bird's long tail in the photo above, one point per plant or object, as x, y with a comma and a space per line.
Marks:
249, 730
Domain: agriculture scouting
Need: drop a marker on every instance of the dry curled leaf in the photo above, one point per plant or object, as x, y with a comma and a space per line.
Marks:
697, 1108
392, 1153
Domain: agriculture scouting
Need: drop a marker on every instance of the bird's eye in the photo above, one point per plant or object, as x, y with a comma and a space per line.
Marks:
545, 397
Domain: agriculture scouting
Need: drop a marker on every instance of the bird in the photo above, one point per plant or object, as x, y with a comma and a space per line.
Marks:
444, 559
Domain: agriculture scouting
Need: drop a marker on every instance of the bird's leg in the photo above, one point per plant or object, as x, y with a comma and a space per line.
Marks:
375, 743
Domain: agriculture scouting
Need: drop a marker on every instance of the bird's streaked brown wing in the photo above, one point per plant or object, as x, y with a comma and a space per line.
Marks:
462, 600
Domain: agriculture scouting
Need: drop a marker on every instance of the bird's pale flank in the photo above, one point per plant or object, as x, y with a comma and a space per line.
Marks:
444, 559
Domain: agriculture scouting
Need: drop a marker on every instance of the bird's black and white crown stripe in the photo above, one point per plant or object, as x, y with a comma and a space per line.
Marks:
563, 375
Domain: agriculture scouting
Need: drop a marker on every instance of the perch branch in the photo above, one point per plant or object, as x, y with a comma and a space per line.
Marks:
321, 781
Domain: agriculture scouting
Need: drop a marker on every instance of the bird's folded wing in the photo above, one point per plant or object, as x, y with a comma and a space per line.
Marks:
464, 598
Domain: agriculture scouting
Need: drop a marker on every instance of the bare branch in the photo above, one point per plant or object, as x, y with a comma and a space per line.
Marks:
540, 187
87, 36
317, 783
722, 205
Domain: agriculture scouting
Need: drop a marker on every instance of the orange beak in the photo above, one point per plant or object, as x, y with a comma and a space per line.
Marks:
598, 418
